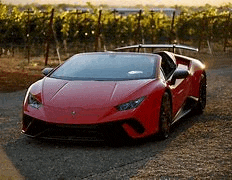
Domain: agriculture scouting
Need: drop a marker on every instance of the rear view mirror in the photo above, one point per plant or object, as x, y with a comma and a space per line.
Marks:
46, 71
179, 74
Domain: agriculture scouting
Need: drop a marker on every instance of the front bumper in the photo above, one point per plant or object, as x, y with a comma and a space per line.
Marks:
36, 128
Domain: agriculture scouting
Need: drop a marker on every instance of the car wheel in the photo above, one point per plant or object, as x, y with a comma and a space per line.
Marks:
165, 116
202, 96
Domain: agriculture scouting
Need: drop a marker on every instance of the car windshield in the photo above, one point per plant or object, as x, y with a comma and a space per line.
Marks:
107, 67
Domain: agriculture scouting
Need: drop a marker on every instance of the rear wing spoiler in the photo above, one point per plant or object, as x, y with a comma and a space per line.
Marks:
173, 46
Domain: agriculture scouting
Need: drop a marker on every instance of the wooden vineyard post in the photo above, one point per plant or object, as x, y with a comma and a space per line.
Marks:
172, 33
202, 33
49, 34
28, 34
98, 32
153, 26
226, 32
138, 32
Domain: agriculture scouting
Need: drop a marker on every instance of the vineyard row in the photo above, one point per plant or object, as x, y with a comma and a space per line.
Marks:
84, 31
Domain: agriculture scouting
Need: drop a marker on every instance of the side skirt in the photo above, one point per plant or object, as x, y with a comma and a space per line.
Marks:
189, 104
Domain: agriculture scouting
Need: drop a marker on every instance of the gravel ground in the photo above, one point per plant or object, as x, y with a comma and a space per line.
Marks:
204, 149
200, 147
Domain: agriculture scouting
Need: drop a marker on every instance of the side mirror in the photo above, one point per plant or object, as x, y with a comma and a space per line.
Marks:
46, 71
179, 74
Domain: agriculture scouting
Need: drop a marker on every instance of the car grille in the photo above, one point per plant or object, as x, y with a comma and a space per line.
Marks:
41, 129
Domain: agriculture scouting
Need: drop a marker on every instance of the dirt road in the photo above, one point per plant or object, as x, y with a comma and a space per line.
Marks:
203, 149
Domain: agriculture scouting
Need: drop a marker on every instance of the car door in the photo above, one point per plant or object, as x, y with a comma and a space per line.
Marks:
180, 91
180, 88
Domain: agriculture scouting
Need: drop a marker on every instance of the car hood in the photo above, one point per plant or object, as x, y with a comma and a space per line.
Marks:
88, 94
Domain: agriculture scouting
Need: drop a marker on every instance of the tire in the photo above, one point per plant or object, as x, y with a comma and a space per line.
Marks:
165, 116
201, 103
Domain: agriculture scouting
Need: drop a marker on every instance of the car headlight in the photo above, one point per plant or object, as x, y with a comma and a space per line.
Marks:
130, 105
33, 101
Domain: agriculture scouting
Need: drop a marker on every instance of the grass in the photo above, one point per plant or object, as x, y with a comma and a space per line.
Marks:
17, 74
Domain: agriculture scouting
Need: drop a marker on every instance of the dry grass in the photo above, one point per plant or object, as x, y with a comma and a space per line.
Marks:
216, 60
17, 74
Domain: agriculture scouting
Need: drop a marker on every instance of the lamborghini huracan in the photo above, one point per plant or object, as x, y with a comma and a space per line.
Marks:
115, 95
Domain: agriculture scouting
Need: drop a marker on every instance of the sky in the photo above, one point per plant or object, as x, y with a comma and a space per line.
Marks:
124, 2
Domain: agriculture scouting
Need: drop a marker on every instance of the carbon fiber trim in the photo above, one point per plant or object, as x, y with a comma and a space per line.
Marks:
40, 129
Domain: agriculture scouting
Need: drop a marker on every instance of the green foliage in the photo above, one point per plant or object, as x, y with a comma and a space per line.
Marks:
207, 24
115, 29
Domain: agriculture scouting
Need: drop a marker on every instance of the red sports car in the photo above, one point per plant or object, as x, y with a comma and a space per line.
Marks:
114, 95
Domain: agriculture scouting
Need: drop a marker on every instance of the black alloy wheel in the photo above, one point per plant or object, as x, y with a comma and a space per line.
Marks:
165, 116
202, 96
